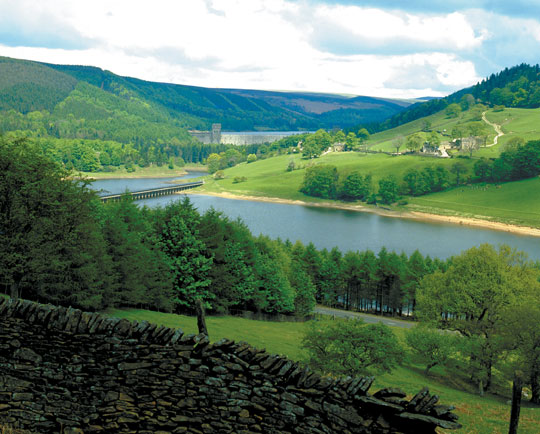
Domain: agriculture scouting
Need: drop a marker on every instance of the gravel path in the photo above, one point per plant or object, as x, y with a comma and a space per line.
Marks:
371, 319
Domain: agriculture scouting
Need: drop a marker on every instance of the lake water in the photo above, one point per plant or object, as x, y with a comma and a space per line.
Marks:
119, 185
348, 230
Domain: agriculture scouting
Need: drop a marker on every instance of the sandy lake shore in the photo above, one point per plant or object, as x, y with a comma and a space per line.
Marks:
413, 215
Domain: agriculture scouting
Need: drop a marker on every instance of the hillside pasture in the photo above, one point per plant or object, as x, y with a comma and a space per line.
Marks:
478, 415
512, 202
269, 178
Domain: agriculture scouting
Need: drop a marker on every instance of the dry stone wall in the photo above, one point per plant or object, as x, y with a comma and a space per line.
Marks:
63, 370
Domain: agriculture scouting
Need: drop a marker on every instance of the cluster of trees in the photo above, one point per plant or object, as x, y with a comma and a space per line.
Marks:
313, 145
478, 315
60, 244
229, 158
491, 298
431, 179
519, 161
323, 180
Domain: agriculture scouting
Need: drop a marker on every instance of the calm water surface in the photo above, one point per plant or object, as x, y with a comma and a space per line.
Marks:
119, 185
348, 230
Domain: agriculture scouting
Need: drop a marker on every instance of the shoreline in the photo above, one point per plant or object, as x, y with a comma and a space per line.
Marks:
411, 215
137, 174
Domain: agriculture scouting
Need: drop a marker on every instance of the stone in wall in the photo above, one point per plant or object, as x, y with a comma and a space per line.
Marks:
63, 370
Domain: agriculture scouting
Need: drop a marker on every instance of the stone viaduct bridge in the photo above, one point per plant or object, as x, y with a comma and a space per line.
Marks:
154, 192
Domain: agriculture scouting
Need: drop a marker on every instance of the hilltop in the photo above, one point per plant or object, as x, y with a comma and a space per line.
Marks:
517, 87
33, 86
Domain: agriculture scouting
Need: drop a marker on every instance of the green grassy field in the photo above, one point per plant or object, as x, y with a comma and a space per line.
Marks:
515, 122
439, 122
269, 177
512, 202
486, 415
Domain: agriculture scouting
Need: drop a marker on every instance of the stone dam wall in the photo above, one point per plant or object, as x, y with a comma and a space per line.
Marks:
63, 370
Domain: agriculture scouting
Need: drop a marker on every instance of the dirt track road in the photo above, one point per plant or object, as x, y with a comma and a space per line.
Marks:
371, 319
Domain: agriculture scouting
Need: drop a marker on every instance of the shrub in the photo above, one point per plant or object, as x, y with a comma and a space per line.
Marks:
351, 347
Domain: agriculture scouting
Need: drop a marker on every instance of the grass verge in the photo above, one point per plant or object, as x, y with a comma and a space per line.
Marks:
479, 415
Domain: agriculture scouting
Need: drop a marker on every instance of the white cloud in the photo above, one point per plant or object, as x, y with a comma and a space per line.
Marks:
262, 44
451, 31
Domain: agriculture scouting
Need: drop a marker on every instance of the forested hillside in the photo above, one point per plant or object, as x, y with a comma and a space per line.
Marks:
93, 120
518, 86
239, 110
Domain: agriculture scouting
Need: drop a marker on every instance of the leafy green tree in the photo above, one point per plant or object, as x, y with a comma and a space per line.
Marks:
410, 182
356, 187
351, 347
291, 166
316, 143
274, 292
482, 169
51, 246
442, 178
213, 163
304, 300
351, 142
458, 132
388, 189
320, 181
459, 168
472, 296
453, 110
414, 142
141, 270
434, 140
467, 101
231, 158
415, 270
176, 229
251, 158
339, 137
331, 276
434, 347
230, 246
363, 134
521, 335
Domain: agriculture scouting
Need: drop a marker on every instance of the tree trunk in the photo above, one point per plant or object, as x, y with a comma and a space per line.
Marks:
489, 372
516, 403
428, 367
14, 290
535, 387
201, 320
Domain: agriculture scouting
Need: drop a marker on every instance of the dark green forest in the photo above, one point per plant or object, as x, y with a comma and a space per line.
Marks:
60, 244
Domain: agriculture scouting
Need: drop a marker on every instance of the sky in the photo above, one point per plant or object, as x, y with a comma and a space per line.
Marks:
385, 48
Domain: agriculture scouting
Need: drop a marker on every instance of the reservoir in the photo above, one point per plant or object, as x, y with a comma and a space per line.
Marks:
328, 228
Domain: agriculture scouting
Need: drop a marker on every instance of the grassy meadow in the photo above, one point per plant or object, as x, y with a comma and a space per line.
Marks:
517, 122
487, 415
512, 202
269, 178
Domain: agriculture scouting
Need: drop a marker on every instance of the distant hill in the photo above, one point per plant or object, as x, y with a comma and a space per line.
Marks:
238, 109
518, 87
90, 119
